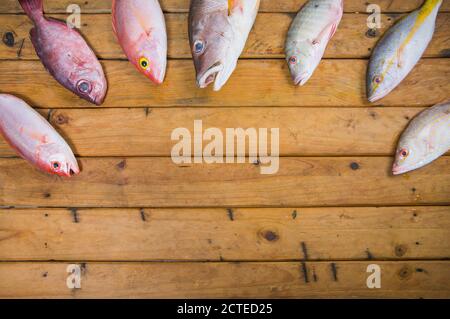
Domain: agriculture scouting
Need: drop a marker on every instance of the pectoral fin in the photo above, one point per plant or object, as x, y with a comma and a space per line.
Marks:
326, 34
234, 5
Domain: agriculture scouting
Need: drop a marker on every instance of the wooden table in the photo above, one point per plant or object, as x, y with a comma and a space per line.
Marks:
141, 226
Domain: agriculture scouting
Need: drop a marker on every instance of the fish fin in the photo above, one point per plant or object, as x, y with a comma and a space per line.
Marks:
234, 5
329, 31
33, 8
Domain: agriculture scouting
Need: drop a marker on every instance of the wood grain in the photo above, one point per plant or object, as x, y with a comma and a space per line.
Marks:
219, 234
414, 279
352, 39
158, 182
254, 83
12, 6
147, 132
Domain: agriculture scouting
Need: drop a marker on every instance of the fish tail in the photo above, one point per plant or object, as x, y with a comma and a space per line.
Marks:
33, 8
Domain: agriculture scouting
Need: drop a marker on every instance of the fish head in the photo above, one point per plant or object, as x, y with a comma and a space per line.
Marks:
411, 154
302, 64
210, 38
90, 84
381, 79
62, 165
151, 59
58, 159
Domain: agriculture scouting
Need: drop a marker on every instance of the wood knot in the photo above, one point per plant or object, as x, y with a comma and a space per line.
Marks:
270, 235
354, 166
122, 164
405, 272
8, 39
372, 33
60, 119
400, 250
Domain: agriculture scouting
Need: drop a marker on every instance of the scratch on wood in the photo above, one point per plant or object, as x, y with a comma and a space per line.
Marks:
334, 271
49, 115
305, 251
143, 216
314, 274
147, 111
230, 214
83, 268
294, 214
304, 272
74, 213
19, 51
369, 254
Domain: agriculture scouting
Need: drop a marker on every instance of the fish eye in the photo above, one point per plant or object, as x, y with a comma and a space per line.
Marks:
293, 59
403, 152
84, 87
144, 63
378, 79
56, 165
199, 46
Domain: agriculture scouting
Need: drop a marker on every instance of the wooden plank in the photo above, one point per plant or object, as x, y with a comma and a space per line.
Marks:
303, 131
220, 234
254, 83
12, 6
266, 40
414, 279
158, 182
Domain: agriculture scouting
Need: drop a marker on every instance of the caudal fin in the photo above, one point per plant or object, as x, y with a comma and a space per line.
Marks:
33, 8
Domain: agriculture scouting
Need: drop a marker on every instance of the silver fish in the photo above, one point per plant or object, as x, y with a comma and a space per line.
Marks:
308, 36
400, 49
426, 138
218, 31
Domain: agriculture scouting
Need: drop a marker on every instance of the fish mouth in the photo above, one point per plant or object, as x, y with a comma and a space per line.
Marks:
397, 170
377, 95
210, 75
72, 170
301, 79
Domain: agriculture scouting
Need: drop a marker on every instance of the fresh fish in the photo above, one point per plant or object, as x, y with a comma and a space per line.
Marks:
308, 36
34, 138
426, 138
400, 49
66, 55
141, 31
218, 30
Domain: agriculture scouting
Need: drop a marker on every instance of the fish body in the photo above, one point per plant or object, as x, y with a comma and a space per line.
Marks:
34, 139
218, 31
66, 55
400, 49
426, 138
141, 31
308, 36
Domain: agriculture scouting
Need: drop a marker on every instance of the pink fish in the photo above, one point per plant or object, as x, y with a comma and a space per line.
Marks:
66, 55
141, 31
34, 139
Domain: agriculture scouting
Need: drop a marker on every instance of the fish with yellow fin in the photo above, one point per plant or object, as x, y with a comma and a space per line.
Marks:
400, 49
